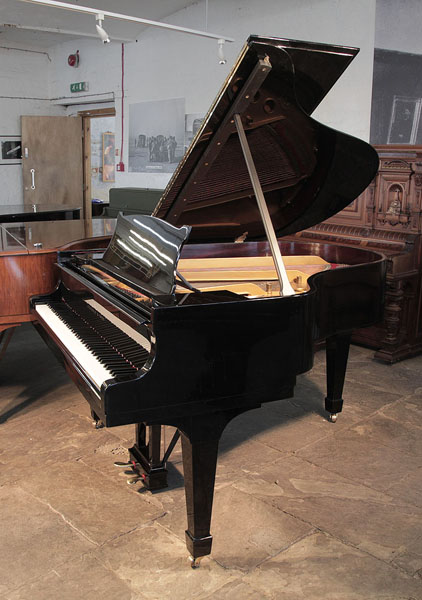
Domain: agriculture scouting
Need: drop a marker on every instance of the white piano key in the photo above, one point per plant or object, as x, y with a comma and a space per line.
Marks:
96, 371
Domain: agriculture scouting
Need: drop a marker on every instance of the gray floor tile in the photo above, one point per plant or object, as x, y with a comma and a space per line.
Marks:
391, 378
237, 590
245, 530
43, 442
352, 512
96, 506
34, 539
380, 430
409, 557
284, 472
154, 563
358, 515
322, 568
352, 455
82, 579
408, 489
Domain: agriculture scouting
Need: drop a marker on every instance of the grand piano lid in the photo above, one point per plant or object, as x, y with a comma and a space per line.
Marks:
308, 172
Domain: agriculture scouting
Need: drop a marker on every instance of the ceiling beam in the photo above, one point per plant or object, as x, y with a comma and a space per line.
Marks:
121, 17
58, 30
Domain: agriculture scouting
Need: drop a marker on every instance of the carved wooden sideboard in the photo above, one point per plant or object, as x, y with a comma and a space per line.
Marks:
387, 216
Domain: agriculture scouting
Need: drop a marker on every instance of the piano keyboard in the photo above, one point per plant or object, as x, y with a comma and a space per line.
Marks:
106, 346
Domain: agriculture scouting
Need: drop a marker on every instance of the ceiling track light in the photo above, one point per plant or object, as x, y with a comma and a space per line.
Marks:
113, 15
222, 58
102, 33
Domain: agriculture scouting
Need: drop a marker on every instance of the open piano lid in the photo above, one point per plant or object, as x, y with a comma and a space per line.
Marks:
308, 172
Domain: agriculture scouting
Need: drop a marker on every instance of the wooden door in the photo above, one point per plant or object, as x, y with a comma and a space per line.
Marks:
52, 160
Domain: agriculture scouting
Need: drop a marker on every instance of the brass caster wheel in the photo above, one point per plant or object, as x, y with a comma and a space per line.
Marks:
333, 417
195, 563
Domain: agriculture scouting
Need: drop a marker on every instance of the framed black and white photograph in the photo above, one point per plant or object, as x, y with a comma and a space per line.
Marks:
404, 123
193, 122
10, 150
156, 135
396, 98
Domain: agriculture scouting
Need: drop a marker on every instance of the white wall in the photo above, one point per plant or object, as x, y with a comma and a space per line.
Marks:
165, 64
24, 90
398, 25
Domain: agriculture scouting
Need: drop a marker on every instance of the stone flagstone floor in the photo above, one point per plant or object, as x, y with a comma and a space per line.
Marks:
303, 509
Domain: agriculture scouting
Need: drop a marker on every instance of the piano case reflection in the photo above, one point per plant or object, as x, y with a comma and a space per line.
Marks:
156, 331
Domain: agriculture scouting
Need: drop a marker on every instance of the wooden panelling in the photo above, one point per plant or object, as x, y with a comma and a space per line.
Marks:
388, 218
24, 275
26, 271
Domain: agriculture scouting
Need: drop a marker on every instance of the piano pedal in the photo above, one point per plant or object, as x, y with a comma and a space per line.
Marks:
123, 465
333, 417
136, 475
135, 479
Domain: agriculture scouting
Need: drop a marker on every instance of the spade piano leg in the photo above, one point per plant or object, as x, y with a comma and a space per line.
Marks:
337, 352
199, 463
200, 437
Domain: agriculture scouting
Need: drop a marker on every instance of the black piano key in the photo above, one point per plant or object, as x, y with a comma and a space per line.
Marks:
113, 348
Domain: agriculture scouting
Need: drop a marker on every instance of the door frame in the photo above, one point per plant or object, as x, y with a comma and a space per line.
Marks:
87, 115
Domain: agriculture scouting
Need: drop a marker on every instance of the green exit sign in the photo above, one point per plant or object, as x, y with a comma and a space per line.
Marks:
81, 86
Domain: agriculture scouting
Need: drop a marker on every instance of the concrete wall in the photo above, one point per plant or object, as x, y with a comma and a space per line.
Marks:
398, 25
24, 90
165, 64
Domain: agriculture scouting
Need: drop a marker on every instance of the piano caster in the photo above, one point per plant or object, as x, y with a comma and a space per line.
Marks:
195, 563
96, 421
332, 417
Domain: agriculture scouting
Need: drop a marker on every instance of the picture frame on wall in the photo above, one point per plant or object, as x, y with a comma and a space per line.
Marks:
10, 150
405, 120
109, 173
193, 122
156, 135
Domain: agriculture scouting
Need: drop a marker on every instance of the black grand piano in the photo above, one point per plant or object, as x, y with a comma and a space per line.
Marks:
202, 311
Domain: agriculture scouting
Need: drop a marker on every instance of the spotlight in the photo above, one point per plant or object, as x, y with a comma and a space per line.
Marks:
101, 32
221, 56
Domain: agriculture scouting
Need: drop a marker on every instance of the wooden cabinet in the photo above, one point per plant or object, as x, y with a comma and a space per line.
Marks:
387, 217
